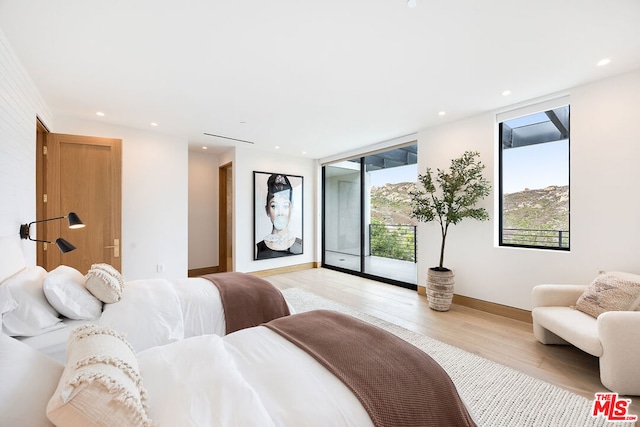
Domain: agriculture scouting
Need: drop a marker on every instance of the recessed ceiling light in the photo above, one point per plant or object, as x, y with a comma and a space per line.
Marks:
442, 113
603, 61
100, 113
204, 148
277, 147
154, 124
506, 92
304, 152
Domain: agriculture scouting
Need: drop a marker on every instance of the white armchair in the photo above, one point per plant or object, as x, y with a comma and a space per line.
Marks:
613, 337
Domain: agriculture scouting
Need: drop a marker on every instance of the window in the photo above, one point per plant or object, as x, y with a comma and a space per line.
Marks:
534, 179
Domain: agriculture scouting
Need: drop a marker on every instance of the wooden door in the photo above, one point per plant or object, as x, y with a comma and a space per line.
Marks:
83, 175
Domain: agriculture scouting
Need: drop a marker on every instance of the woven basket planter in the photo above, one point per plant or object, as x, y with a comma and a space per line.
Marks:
440, 289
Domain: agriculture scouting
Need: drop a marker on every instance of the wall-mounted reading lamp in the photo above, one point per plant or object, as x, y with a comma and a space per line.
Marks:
63, 245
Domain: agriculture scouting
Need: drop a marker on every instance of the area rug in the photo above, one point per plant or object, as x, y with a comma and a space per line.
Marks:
497, 395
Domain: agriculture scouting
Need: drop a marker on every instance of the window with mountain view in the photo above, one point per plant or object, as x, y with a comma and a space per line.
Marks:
534, 179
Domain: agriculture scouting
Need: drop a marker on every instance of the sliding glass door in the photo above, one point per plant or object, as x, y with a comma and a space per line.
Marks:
342, 231
367, 228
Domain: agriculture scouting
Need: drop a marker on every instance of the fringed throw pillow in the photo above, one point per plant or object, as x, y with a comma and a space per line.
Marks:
105, 283
101, 383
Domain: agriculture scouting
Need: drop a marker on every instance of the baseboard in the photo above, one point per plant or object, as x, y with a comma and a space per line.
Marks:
197, 272
493, 308
287, 269
489, 307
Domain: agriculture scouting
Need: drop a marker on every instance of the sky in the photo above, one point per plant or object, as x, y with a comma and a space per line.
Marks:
408, 173
535, 166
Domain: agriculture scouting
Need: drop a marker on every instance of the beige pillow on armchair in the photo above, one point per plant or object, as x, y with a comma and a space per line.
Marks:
612, 291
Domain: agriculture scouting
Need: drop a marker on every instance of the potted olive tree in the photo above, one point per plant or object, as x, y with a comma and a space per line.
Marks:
447, 199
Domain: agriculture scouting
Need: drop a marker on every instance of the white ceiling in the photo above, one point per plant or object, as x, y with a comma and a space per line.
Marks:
323, 76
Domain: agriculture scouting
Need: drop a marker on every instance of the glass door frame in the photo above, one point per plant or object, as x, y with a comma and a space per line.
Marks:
361, 272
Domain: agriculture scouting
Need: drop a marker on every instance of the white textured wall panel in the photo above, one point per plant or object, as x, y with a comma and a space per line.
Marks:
20, 104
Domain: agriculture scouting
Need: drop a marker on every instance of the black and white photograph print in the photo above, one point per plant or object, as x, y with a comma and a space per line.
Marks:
277, 200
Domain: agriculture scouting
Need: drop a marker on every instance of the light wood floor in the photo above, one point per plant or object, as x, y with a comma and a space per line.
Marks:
502, 340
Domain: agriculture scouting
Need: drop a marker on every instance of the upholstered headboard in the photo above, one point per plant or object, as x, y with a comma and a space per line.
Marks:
11, 257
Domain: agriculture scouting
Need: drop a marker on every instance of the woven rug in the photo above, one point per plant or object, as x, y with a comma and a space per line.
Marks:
497, 395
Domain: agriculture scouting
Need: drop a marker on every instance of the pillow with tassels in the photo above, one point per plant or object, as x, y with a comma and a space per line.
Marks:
104, 282
101, 383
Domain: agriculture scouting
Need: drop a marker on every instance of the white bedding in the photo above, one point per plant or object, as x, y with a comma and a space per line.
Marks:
151, 312
201, 307
159, 311
54, 343
253, 377
250, 377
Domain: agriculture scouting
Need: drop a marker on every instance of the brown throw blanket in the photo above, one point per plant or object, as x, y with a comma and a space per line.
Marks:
397, 383
247, 300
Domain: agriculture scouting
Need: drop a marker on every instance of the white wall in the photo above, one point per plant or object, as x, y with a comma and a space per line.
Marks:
154, 197
20, 103
248, 160
203, 210
605, 219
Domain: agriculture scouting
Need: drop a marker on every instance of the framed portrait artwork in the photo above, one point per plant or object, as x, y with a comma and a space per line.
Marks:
277, 215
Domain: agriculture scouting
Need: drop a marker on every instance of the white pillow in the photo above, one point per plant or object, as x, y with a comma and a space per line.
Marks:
34, 315
65, 291
105, 283
28, 380
101, 383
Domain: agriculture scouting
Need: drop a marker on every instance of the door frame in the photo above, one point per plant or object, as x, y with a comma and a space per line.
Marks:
41, 133
225, 218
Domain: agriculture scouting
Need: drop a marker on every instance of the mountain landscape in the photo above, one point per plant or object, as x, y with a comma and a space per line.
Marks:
541, 209
545, 208
391, 203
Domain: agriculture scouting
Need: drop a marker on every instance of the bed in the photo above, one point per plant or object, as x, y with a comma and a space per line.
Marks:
41, 308
298, 370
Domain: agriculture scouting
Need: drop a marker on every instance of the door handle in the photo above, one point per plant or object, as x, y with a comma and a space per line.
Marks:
116, 248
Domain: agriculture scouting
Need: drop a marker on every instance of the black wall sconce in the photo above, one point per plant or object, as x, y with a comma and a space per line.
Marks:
63, 245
